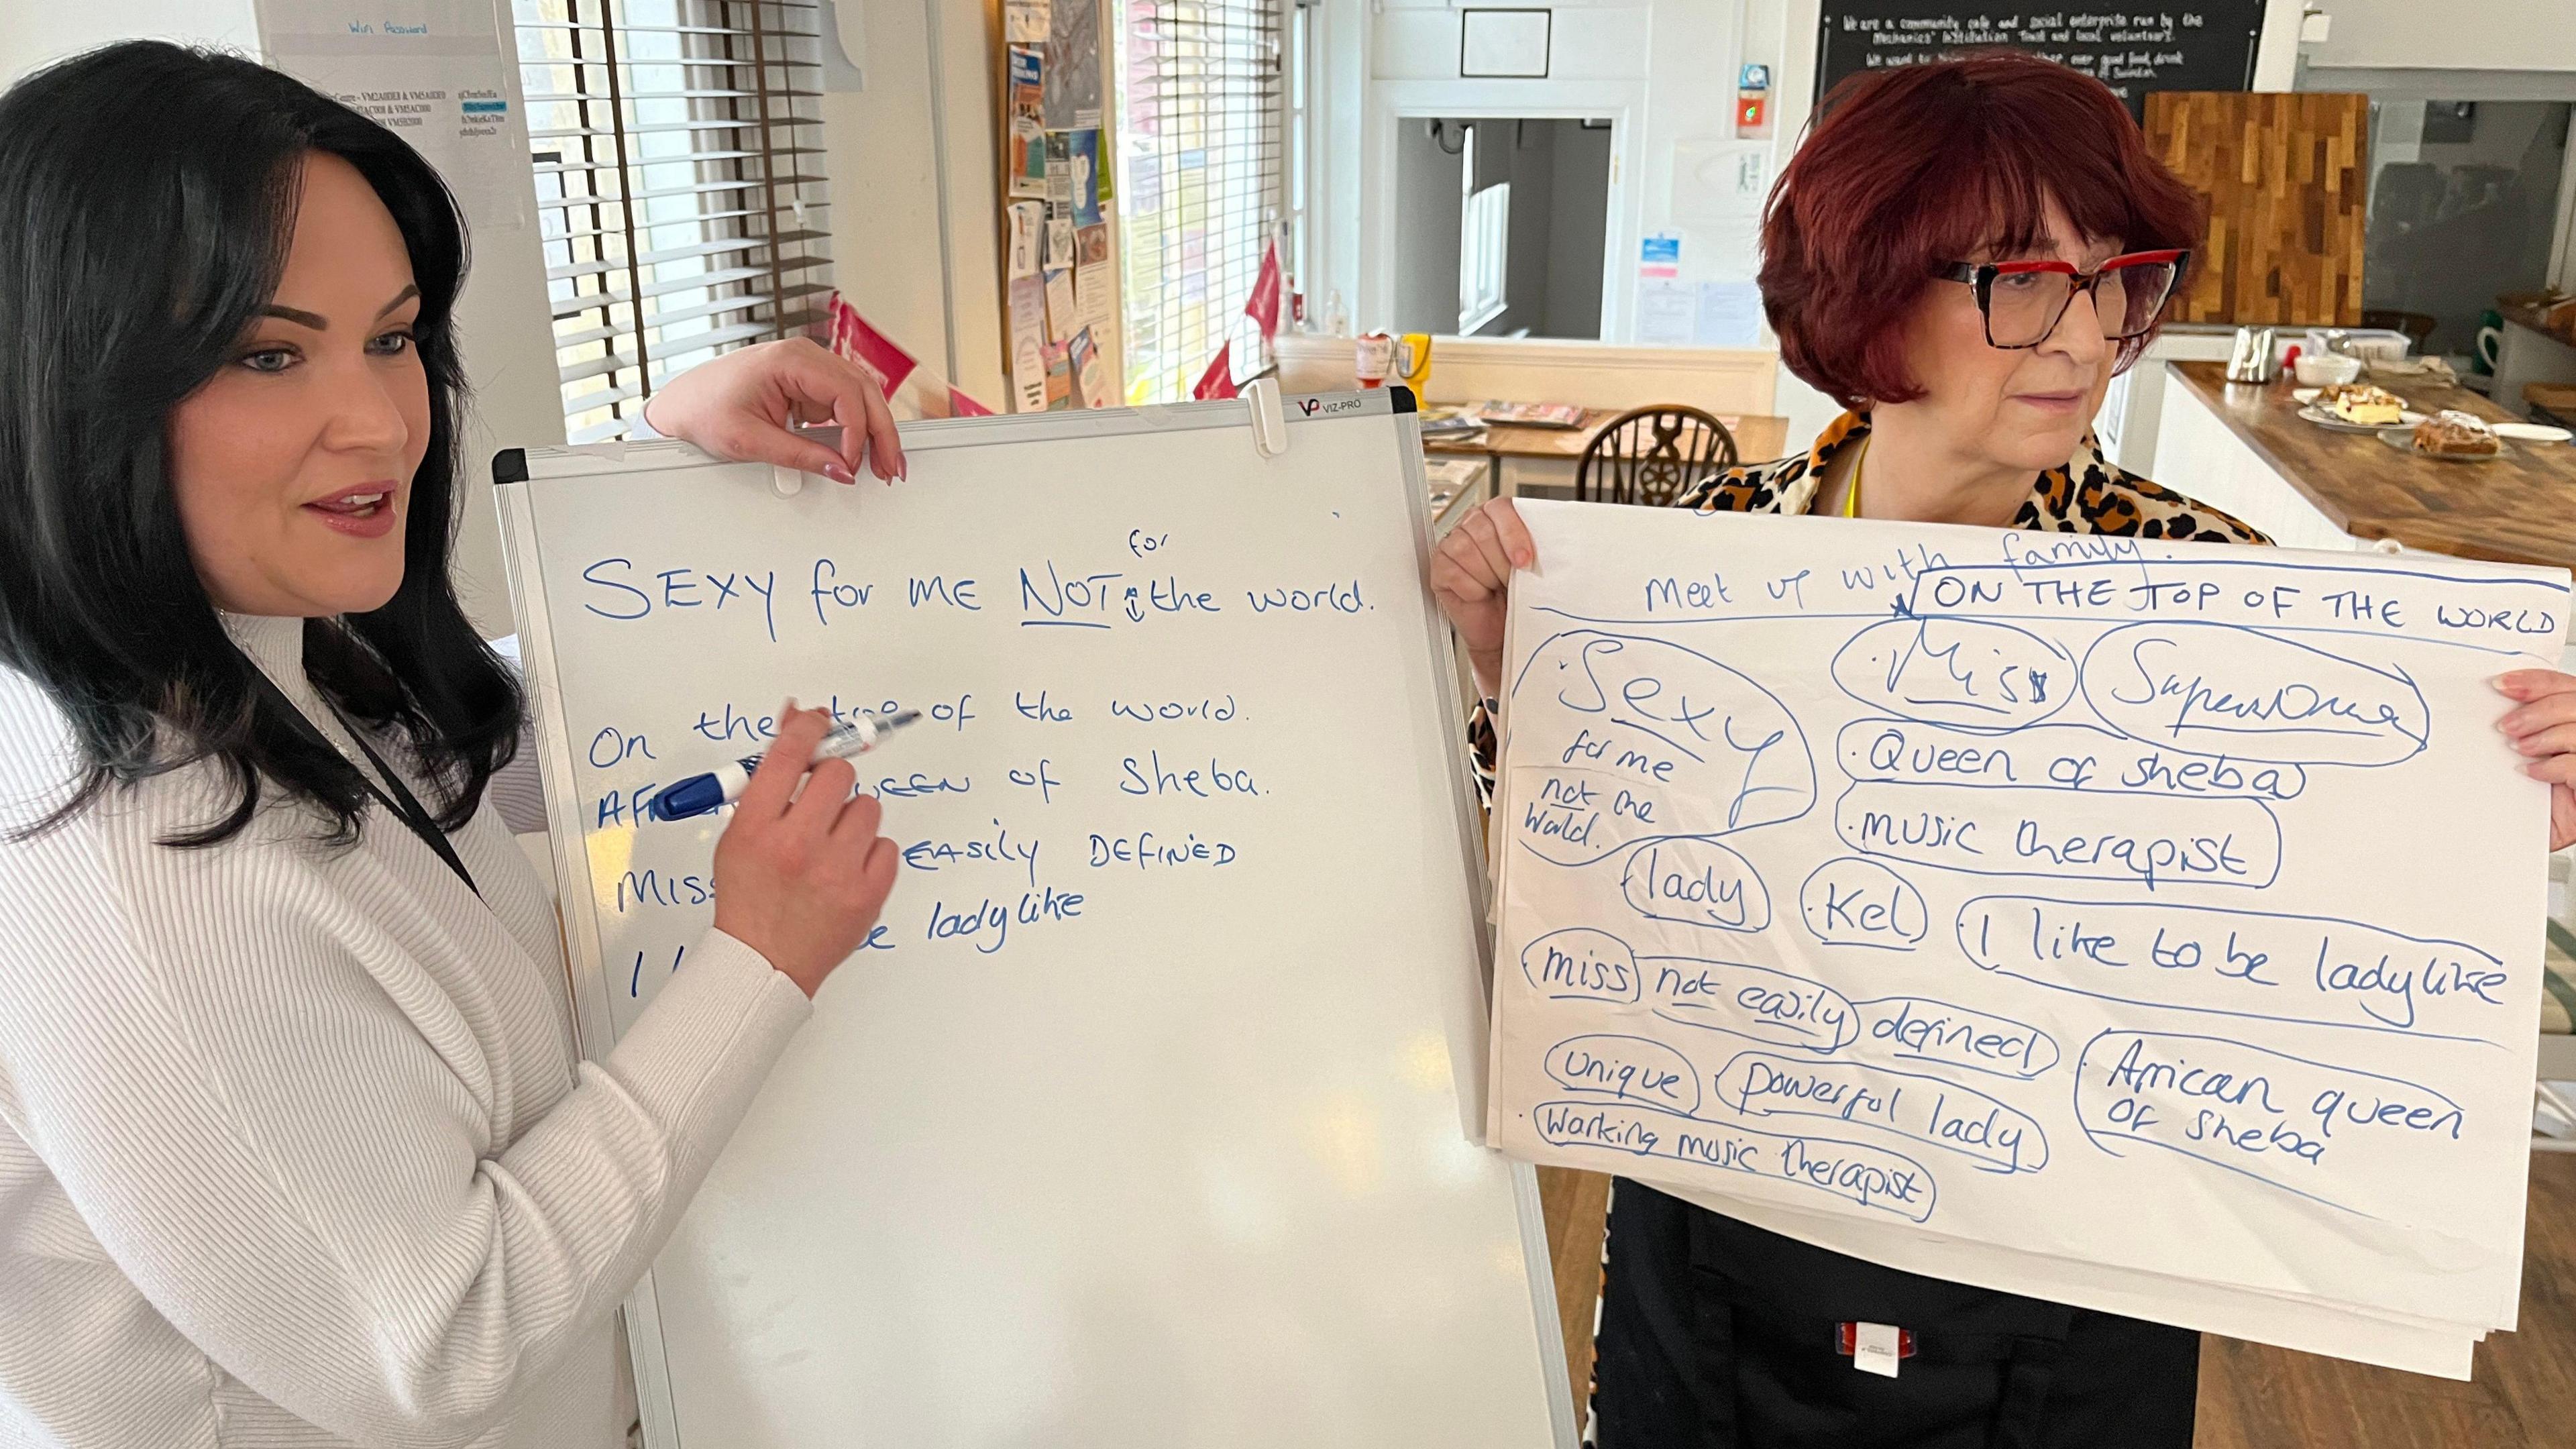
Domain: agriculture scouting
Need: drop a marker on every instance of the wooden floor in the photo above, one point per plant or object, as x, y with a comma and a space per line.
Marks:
2522, 1389
2253, 1397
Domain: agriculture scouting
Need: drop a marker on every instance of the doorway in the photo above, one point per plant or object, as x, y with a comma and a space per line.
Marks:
1501, 225
2464, 204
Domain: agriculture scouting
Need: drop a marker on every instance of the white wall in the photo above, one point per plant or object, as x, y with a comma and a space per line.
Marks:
501, 320
1552, 282
35, 31
1401, 62
1662, 71
2417, 34
1429, 184
1576, 240
885, 137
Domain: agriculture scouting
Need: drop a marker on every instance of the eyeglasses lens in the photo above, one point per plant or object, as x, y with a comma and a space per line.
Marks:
2022, 307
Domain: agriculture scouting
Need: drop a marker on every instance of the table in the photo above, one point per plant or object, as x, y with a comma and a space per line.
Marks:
2329, 489
1547, 457
1456, 485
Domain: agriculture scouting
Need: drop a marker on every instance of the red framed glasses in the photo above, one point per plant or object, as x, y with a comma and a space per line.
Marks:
2022, 301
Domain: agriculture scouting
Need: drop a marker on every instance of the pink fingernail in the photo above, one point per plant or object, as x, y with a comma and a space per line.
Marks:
838, 474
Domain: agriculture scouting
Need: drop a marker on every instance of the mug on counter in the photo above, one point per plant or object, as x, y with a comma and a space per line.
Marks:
1373, 356
1377, 356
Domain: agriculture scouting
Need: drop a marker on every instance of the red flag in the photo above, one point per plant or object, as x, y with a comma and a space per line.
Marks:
852, 337
1218, 380
1263, 308
962, 406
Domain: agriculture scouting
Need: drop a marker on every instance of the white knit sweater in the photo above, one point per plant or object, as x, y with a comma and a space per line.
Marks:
294, 1147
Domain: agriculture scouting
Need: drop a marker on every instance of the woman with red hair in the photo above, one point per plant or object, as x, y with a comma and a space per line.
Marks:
1963, 254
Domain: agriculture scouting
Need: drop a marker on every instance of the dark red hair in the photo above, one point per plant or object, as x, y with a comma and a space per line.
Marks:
1917, 166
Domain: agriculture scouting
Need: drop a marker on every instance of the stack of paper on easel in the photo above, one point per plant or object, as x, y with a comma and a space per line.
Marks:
2145, 926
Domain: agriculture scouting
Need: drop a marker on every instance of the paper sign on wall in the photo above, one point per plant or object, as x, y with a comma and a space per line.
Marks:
1698, 314
1667, 313
2158, 920
1028, 345
1059, 304
1095, 291
1090, 375
1028, 230
1082, 151
1059, 377
1073, 65
1028, 155
430, 71
1728, 314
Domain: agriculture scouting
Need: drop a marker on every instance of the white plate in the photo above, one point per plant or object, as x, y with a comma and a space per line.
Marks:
2531, 432
2305, 394
2406, 418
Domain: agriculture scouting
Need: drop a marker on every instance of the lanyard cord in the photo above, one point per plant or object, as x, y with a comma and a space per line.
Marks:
1851, 495
402, 804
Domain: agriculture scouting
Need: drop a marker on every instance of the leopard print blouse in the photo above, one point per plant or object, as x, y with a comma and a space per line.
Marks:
2088, 494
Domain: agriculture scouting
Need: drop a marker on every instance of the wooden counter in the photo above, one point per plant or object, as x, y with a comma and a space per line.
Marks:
2520, 508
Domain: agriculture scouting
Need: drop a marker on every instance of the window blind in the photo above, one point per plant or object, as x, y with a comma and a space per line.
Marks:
1201, 182
680, 194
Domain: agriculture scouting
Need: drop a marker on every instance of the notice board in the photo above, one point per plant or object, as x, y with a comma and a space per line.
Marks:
2134, 52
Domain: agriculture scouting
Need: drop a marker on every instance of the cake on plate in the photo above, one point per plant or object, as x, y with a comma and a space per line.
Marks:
2362, 403
2454, 434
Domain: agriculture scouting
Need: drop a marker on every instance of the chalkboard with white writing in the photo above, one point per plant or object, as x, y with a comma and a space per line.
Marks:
2209, 47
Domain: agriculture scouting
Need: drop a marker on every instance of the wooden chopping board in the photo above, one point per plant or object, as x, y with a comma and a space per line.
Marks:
2286, 177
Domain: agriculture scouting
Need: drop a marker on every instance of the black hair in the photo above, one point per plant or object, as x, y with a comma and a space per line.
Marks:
149, 196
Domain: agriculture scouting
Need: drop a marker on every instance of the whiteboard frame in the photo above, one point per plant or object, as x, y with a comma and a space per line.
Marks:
585, 974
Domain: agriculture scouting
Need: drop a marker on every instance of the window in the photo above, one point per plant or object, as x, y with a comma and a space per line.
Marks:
1484, 242
1200, 177
2465, 202
1301, 137
679, 198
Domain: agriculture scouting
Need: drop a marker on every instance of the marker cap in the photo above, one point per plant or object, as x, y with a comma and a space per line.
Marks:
698, 795
701, 794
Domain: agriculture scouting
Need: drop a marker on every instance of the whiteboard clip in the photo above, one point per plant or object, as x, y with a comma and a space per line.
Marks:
785, 482
2387, 545
1269, 423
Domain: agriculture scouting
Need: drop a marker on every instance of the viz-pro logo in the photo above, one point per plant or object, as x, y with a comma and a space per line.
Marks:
1311, 406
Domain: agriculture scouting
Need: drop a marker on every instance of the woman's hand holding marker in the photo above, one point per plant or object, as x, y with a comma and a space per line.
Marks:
802, 875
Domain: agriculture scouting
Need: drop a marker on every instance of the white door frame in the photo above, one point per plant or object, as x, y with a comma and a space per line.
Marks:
1395, 102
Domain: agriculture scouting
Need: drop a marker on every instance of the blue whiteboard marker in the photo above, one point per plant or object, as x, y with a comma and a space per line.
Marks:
703, 794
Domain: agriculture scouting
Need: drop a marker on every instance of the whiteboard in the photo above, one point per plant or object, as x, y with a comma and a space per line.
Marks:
1145, 1116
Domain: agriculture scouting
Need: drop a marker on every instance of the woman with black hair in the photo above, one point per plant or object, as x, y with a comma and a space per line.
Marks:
294, 1149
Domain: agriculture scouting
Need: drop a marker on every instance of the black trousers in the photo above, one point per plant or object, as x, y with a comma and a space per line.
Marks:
1716, 1334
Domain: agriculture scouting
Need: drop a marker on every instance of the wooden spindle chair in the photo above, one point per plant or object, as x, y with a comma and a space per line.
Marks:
1649, 455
